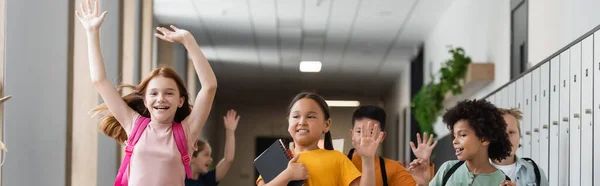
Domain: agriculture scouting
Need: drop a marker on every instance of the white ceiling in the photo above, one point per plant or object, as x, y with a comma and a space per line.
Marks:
363, 44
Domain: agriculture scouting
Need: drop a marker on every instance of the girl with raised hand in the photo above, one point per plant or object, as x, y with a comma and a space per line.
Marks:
308, 120
156, 117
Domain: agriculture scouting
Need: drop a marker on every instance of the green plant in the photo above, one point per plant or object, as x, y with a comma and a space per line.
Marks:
429, 101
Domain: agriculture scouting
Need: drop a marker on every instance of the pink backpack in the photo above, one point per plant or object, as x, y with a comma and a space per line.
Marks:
138, 129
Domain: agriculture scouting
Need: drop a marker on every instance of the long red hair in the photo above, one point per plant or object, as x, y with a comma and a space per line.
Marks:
112, 128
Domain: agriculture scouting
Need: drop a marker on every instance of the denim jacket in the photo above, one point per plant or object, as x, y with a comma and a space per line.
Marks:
526, 174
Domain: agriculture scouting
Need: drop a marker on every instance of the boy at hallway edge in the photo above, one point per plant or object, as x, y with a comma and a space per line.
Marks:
520, 170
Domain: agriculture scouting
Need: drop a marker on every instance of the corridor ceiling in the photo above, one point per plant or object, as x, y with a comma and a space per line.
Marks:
258, 44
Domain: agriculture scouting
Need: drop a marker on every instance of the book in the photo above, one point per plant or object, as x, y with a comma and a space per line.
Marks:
271, 162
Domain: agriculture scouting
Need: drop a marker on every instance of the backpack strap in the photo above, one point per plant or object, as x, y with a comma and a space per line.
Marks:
448, 174
138, 128
383, 172
381, 167
351, 153
536, 170
181, 142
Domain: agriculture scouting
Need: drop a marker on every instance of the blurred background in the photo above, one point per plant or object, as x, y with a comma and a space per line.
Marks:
365, 52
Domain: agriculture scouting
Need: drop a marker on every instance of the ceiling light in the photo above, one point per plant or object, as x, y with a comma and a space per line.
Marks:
340, 103
310, 66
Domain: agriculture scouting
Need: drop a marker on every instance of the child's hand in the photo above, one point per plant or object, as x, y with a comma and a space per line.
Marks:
419, 169
508, 183
371, 136
231, 120
295, 170
89, 17
424, 147
175, 36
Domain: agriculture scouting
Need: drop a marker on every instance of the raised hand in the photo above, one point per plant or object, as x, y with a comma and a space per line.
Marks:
371, 136
89, 17
295, 170
419, 169
424, 147
231, 120
175, 36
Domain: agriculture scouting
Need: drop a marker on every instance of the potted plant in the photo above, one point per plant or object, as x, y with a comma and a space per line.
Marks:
428, 103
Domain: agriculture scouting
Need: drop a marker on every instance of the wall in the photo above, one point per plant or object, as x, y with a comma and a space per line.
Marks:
553, 24
482, 28
2, 63
271, 116
398, 99
37, 56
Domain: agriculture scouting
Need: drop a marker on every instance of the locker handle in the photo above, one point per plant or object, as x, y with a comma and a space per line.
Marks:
536, 130
576, 115
565, 119
545, 126
527, 133
588, 111
554, 122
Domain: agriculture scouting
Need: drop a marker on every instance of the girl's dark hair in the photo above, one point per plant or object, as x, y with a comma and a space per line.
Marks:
487, 122
321, 102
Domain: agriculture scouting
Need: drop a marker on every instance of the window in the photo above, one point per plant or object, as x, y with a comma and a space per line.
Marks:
519, 29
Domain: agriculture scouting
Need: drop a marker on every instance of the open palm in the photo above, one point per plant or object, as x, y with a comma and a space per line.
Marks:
424, 146
371, 136
231, 120
175, 36
89, 17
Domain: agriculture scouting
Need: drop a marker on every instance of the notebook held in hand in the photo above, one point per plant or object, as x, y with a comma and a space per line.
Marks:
273, 161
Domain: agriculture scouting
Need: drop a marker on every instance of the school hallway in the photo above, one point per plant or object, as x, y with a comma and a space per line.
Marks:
541, 57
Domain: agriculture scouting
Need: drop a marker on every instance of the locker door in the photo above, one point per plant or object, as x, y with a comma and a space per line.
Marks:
498, 98
596, 110
511, 95
518, 105
575, 116
563, 157
526, 125
553, 169
535, 114
544, 122
505, 101
587, 130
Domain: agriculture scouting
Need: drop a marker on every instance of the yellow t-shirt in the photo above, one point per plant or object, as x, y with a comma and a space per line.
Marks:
327, 167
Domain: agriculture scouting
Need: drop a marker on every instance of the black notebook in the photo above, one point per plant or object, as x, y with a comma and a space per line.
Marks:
273, 161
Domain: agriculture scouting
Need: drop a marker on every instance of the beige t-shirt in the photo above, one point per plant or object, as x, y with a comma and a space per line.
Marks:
156, 159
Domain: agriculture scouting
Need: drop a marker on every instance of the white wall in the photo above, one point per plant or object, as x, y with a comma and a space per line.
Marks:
482, 28
36, 75
554, 23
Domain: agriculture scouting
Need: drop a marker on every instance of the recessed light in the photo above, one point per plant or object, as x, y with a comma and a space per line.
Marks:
310, 66
342, 103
